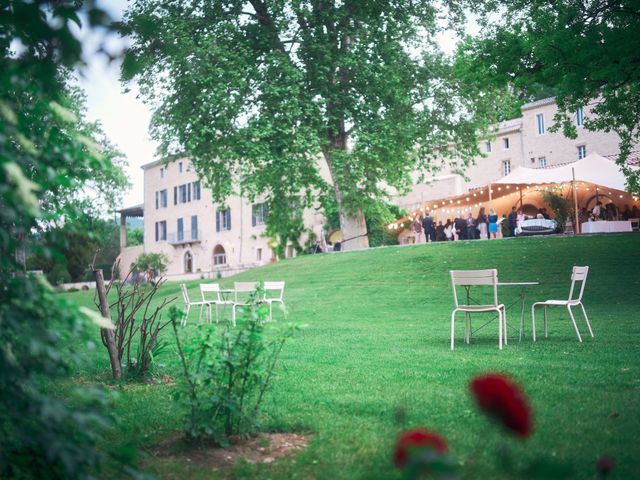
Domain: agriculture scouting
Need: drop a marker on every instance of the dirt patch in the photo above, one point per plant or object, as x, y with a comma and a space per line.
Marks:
265, 448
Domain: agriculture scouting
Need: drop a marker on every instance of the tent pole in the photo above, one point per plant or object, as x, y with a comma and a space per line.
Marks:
520, 190
575, 200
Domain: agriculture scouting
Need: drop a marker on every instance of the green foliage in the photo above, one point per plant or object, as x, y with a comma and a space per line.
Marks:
286, 89
227, 373
583, 52
48, 155
561, 207
59, 274
377, 220
72, 247
135, 236
154, 262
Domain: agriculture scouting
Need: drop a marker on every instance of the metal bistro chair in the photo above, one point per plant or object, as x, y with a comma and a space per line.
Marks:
242, 292
468, 278
216, 300
188, 304
578, 274
277, 289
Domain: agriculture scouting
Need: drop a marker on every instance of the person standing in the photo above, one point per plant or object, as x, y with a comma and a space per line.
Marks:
512, 220
416, 226
471, 227
429, 228
493, 224
461, 228
481, 223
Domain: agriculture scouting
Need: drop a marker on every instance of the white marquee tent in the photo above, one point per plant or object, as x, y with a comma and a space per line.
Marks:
593, 169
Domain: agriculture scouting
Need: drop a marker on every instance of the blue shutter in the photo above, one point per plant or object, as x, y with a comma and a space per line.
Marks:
156, 231
228, 215
175, 195
253, 215
194, 227
188, 192
180, 230
217, 220
156, 200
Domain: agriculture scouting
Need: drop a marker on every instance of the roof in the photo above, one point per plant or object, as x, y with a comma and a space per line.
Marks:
593, 168
633, 159
166, 160
538, 103
135, 211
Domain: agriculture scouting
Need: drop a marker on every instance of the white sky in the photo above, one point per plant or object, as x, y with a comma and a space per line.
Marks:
124, 118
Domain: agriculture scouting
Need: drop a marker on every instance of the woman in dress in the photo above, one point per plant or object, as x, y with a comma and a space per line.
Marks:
481, 223
493, 224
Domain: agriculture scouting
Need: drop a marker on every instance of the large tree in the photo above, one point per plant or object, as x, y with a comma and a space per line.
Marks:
266, 94
585, 51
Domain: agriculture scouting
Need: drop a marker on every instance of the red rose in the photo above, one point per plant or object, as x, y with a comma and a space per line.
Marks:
604, 465
499, 397
417, 439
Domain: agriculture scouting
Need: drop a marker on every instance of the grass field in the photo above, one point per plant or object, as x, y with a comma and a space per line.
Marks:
378, 339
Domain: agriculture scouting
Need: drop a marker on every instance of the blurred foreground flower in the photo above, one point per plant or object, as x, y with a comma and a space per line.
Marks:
604, 466
415, 442
500, 398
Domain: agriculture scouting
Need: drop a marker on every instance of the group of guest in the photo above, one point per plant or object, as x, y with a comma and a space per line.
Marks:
482, 226
610, 212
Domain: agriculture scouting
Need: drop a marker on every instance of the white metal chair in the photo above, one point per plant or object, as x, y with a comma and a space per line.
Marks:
242, 292
469, 278
188, 304
217, 300
578, 274
277, 290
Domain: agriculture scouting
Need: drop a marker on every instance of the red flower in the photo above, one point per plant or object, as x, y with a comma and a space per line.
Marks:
604, 465
417, 439
499, 397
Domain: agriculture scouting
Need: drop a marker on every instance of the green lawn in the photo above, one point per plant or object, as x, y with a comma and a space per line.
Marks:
378, 339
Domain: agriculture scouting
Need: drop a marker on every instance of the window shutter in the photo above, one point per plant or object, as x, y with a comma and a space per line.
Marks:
175, 195
228, 212
156, 231
217, 221
194, 227
253, 215
156, 200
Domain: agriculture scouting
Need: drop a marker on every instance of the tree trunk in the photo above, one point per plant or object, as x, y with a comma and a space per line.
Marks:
107, 334
352, 223
352, 226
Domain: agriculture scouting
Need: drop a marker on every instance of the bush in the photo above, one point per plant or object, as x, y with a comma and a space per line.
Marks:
59, 275
226, 374
154, 262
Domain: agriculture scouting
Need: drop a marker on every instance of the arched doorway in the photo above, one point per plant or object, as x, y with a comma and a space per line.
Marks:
188, 262
219, 255
529, 210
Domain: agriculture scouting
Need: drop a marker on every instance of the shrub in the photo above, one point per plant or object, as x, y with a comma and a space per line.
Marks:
59, 275
226, 374
154, 262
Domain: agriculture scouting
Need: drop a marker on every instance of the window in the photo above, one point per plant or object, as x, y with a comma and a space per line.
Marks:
194, 227
533, 159
540, 123
580, 117
196, 190
161, 231
542, 162
258, 214
219, 255
188, 262
180, 167
582, 152
161, 199
505, 143
487, 147
223, 220
182, 191
161, 172
180, 229
258, 254
506, 167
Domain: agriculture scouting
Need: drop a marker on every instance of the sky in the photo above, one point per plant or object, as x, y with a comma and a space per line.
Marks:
124, 117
